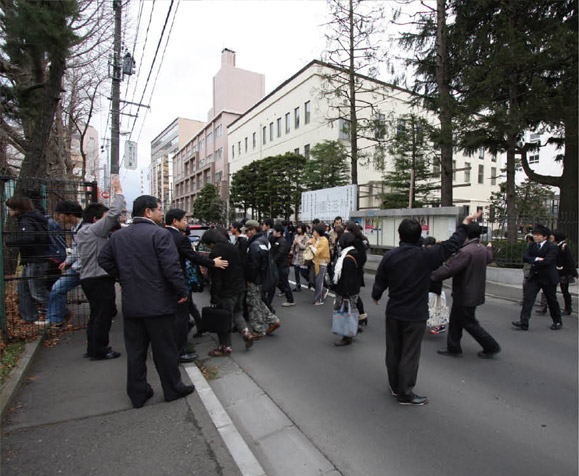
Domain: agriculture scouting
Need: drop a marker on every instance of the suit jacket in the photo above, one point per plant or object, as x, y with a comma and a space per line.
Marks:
145, 260
545, 271
186, 251
469, 270
231, 280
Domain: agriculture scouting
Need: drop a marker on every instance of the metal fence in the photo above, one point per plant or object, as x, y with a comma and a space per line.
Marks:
45, 194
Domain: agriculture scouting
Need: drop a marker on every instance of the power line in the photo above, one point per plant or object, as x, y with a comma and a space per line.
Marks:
152, 64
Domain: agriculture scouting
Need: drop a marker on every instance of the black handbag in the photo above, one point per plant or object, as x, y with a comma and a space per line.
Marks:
216, 320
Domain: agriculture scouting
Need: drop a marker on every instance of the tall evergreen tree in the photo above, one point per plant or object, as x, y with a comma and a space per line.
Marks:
208, 206
327, 167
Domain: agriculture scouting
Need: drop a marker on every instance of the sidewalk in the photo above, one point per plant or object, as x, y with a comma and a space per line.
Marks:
73, 417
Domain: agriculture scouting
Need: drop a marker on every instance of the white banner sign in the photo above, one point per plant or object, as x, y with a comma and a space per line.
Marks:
130, 161
328, 203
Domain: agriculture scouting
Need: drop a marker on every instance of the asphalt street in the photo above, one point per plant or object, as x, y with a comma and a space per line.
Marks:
513, 415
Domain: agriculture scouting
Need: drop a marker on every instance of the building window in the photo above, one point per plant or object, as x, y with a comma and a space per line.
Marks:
279, 126
307, 112
481, 173
239, 147
534, 159
219, 154
307, 151
297, 151
201, 144
209, 139
467, 172
493, 175
218, 177
264, 136
287, 123
494, 158
380, 130
233, 152
271, 131
254, 138
218, 130
481, 153
297, 118
344, 128
454, 170
400, 127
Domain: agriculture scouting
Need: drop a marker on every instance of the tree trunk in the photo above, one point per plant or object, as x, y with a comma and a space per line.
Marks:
444, 115
353, 119
511, 196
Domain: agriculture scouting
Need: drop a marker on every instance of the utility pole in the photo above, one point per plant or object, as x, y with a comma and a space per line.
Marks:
116, 91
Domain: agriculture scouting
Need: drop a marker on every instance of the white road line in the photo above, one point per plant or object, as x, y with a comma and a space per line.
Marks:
241, 453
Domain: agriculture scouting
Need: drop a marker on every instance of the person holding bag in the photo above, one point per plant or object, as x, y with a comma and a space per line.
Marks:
299, 245
347, 287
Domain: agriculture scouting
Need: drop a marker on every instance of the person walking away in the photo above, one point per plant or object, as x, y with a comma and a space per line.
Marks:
144, 258
97, 284
362, 245
69, 214
320, 246
346, 278
565, 267
468, 268
405, 272
176, 223
32, 240
280, 254
299, 245
542, 255
227, 288
261, 319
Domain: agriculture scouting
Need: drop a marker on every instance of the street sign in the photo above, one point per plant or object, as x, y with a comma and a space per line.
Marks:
105, 194
130, 155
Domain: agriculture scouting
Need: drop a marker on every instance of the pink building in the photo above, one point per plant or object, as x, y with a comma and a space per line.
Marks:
204, 159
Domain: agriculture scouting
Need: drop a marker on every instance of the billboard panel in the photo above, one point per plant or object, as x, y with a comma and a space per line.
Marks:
328, 203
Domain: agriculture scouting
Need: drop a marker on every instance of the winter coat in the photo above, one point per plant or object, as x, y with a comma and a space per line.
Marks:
321, 252
298, 246
468, 268
565, 262
229, 281
406, 270
257, 258
349, 282
144, 258
186, 251
280, 252
31, 237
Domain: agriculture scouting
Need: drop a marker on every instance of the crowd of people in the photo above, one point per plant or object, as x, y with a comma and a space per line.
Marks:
248, 264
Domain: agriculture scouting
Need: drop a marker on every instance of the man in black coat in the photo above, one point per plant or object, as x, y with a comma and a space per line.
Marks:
468, 268
145, 260
176, 223
542, 254
280, 251
406, 272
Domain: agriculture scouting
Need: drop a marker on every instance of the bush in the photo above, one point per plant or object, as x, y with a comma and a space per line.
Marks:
509, 255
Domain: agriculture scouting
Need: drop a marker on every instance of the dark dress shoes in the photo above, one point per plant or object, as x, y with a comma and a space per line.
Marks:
412, 399
186, 358
186, 390
483, 354
343, 341
150, 393
448, 353
519, 325
556, 326
110, 355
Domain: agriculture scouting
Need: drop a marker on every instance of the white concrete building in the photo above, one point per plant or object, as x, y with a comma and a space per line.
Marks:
295, 116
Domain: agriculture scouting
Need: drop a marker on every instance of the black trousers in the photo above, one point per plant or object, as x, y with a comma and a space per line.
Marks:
463, 317
283, 284
403, 342
550, 291
101, 295
159, 332
182, 327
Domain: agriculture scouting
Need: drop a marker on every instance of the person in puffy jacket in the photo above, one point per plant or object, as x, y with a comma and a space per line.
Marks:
33, 242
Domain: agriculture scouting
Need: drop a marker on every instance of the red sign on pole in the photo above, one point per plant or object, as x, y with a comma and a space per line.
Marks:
105, 194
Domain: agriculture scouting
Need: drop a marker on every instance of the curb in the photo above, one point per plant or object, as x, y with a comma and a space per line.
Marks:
9, 388
242, 455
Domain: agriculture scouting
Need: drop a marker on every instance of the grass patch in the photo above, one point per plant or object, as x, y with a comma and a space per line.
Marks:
210, 373
10, 356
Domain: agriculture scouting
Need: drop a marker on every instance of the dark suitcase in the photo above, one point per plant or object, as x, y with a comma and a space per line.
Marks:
216, 320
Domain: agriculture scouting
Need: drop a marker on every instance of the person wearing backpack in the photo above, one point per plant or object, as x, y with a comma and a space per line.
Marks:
32, 241
259, 274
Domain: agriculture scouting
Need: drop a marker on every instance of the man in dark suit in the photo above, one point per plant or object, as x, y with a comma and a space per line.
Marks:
145, 260
176, 223
542, 255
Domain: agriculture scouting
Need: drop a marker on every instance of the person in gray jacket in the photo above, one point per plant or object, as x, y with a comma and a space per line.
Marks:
97, 284
468, 268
